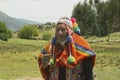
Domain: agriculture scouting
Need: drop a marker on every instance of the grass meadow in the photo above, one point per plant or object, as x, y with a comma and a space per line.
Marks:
18, 57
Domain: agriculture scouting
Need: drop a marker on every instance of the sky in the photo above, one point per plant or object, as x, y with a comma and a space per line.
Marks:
38, 10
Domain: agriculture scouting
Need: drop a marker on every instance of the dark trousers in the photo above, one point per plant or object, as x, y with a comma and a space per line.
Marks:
87, 73
62, 73
87, 69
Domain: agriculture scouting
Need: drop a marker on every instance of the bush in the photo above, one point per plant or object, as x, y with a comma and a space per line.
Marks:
28, 32
4, 32
46, 36
4, 37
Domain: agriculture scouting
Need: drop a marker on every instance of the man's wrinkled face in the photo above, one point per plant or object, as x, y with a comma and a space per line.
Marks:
61, 32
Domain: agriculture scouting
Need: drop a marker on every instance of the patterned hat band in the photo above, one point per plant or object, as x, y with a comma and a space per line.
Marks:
66, 21
72, 24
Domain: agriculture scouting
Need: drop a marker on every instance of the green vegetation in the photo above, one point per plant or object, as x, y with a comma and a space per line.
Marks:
18, 65
107, 65
108, 60
4, 32
46, 34
98, 18
28, 32
18, 57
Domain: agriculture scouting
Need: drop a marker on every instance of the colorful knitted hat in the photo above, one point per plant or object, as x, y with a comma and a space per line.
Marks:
71, 22
76, 29
66, 21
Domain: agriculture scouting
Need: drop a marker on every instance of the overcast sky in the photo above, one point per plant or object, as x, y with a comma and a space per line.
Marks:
38, 10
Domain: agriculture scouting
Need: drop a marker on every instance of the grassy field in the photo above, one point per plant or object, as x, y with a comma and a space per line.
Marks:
108, 60
108, 56
18, 58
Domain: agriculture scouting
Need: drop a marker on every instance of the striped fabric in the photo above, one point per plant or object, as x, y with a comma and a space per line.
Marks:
80, 50
76, 29
83, 50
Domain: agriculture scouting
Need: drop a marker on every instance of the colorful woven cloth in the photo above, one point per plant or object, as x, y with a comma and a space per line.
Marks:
76, 29
80, 49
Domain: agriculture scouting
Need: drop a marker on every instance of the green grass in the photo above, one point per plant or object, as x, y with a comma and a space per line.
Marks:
18, 58
112, 37
18, 65
15, 45
107, 57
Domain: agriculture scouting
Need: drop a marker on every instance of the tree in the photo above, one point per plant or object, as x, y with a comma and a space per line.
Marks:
99, 18
103, 15
114, 7
28, 32
4, 32
86, 18
108, 17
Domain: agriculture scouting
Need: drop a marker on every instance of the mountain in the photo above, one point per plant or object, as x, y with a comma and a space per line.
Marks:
14, 24
28, 21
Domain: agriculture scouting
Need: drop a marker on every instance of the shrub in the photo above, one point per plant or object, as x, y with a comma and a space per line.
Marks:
46, 36
4, 37
4, 32
28, 32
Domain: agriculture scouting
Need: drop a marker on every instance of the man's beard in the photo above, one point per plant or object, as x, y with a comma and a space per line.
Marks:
61, 42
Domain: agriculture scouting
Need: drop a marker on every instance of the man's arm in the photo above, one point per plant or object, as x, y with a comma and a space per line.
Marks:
44, 69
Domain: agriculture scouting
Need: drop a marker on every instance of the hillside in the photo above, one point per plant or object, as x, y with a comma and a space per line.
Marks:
18, 58
14, 24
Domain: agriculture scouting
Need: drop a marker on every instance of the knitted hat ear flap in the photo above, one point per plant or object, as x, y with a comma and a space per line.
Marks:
70, 31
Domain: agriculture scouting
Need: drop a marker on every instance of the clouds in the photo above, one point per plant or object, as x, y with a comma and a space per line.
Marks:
38, 10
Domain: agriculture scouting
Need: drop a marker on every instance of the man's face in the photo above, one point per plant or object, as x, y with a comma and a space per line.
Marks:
61, 32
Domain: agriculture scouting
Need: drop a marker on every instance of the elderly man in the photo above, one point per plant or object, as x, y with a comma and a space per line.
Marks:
70, 54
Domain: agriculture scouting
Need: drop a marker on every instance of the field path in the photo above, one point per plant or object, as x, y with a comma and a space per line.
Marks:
29, 78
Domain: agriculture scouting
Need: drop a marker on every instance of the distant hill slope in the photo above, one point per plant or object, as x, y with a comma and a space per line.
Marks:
28, 21
14, 24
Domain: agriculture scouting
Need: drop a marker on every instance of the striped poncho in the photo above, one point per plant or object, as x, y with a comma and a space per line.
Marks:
80, 49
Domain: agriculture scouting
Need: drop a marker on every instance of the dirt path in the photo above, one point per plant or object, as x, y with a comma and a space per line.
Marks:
29, 78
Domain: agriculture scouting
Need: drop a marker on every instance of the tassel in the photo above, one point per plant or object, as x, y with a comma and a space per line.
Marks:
52, 62
71, 59
76, 29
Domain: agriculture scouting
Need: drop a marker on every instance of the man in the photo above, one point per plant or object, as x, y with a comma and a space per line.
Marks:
68, 50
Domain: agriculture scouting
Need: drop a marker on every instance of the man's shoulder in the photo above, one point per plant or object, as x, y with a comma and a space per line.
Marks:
77, 37
80, 40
